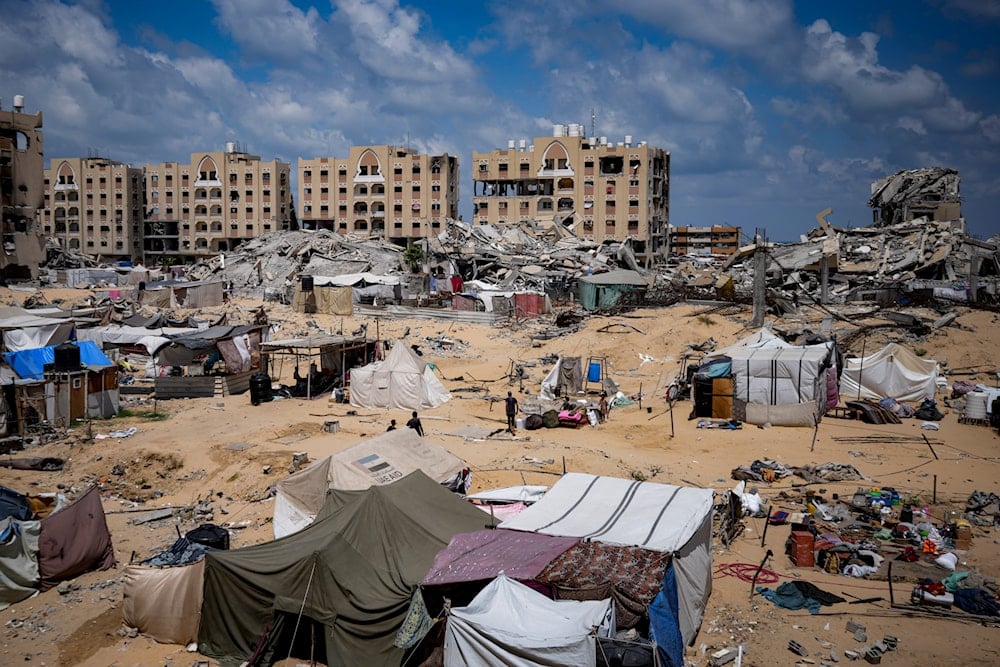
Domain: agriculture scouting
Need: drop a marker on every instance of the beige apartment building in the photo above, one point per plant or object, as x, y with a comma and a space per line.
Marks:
602, 190
382, 191
22, 191
212, 204
93, 205
705, 240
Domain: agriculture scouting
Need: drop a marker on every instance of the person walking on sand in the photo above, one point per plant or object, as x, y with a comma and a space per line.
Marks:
511, 406
392, 426
415, 424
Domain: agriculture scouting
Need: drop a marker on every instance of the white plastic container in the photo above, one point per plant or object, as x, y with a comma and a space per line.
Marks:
975, 405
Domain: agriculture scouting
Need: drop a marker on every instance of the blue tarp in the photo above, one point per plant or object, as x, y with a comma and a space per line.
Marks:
664, 622
30, 364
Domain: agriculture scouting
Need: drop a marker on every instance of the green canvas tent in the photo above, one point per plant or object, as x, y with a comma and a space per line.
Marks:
338, 590
605, 290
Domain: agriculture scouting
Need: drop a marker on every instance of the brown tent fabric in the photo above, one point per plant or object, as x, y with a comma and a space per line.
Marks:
596, 571
74, 540
334, 300
164, 603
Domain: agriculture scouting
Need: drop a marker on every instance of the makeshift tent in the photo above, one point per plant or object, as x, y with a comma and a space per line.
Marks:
18, 560
893, 372
403, 381
26, 329
793, 378
565, 378
376, 461
657, 517
164, 603
605, 290
510, 624
30, 364
74, 540
344, 582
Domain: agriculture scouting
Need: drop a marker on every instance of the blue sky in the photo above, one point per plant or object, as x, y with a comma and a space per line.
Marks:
772, 110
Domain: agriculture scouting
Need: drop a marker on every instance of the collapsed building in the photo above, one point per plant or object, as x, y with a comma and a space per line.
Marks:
917, 251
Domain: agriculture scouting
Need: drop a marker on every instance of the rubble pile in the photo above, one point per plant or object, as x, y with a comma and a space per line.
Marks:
917, 260
529, 257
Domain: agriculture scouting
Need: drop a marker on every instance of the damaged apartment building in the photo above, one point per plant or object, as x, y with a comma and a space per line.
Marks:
916, 251
599, 189
22, 192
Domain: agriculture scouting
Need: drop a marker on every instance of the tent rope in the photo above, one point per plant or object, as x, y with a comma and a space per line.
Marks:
298, 619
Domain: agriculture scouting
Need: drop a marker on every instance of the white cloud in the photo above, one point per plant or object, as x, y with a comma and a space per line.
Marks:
912, 124
274, 30
386, 38
851, 67
731, 24
990, 127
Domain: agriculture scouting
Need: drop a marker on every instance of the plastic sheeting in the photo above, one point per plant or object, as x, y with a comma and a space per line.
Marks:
894, 372
510, 624
782, 375
18, 560
30, 364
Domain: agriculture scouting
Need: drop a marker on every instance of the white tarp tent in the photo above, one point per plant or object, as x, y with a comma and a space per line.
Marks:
780, 375
894, 371
660, 517
402, 381
510, 624
377, 461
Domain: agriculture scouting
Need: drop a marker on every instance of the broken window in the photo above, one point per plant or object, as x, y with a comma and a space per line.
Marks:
612, 165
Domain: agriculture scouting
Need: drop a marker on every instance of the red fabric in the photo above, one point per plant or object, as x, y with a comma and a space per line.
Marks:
456, 284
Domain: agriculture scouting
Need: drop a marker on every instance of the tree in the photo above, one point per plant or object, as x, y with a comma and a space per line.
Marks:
414, 257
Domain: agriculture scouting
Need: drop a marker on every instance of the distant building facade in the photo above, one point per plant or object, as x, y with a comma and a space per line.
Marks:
601, 190
22, 191
94, 206
212, 204
386, 191
705, 240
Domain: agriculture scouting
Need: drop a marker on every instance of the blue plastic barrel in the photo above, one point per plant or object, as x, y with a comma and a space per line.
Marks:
594, 372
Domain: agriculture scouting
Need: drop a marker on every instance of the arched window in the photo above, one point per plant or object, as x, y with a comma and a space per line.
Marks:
208, 172
555, 161
65, 177
369, 168
360, 225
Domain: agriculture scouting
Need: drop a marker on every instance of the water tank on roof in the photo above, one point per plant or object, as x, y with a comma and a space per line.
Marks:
307, 283
18, 102
67, 358
230, 146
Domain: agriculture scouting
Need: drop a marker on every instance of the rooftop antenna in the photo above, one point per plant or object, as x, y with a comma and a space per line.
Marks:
593, 122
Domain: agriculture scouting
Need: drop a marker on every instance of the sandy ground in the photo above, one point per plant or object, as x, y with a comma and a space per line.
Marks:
217, 449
